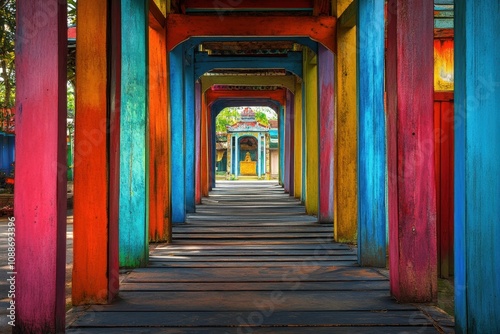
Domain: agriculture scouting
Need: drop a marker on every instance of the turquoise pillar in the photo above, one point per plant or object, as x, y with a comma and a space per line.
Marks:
371, 135
177, 161
477, 166
189, 131
133, 234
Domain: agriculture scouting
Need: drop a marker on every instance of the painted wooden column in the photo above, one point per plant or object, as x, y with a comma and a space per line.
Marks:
204, 148
40, 196
345, 210
259, 155
177, 162
311, 132
229, 169
372, 245
189, 130
477, 166
134, 184
326, 92
267, 155
94, 229
281, 145
412, 191
159, 220
289, 140
198, 142
298, 140
236, 155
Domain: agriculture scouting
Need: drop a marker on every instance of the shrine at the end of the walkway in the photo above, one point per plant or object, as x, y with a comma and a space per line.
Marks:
366, 142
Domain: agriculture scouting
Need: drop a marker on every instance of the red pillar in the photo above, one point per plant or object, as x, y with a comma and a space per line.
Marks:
159, 221
412, 192
40, 196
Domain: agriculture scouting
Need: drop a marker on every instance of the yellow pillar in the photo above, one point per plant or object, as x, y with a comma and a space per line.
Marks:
298, 141
346, 189
311, 135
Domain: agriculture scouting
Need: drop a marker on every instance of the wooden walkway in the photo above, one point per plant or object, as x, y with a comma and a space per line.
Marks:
251, 261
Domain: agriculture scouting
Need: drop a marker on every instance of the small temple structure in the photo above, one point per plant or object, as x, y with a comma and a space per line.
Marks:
248, 145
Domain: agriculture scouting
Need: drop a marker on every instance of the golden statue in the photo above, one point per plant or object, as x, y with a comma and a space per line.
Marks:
248, 157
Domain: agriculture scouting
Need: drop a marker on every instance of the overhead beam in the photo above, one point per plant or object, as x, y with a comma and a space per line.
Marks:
156, 18
319, 28
277, 95
204, 63
349, 16
227, 6
286, 81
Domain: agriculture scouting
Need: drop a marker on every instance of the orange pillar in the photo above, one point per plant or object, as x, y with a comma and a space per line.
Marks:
92, 271
159, 222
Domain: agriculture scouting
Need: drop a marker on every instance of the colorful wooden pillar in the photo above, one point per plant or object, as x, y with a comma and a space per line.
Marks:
477, 166
177, 162
198, 142
311, 133
326, 97
40, 196
372, 245
134, 181
159, 221
205, 143
345, 209
298, 141
189, 130
281, 143
412, 191
95, 229
289, 140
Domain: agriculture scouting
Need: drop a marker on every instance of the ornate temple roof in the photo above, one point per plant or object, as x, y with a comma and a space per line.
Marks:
248, 123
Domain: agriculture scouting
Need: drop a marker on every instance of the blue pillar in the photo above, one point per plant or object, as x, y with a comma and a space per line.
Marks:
371, 134
133, 212
189, 130
477, 166
177, 162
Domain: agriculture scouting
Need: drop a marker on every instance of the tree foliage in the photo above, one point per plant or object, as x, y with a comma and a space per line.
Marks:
7, 52
230, 116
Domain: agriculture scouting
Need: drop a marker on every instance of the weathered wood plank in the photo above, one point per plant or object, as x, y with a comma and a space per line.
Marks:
40, 194
274, 319
306, 272
258, 286
239, 264
424, 329
371, 134
412, 191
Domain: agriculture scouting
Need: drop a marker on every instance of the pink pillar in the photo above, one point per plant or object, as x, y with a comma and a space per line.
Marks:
410, 119
326, 92
40, 195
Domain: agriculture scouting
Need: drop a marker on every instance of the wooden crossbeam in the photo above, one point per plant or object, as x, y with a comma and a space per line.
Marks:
349, 16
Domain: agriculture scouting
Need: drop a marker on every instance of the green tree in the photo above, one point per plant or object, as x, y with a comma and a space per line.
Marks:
7, 53
227, 116
261, 117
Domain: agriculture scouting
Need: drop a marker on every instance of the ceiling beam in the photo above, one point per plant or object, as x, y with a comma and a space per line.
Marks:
349, 16
286, 81
318, 28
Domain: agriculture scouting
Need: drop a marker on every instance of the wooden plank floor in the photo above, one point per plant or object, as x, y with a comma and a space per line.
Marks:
251, 261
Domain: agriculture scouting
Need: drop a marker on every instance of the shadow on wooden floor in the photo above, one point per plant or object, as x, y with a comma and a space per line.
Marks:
251, 261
